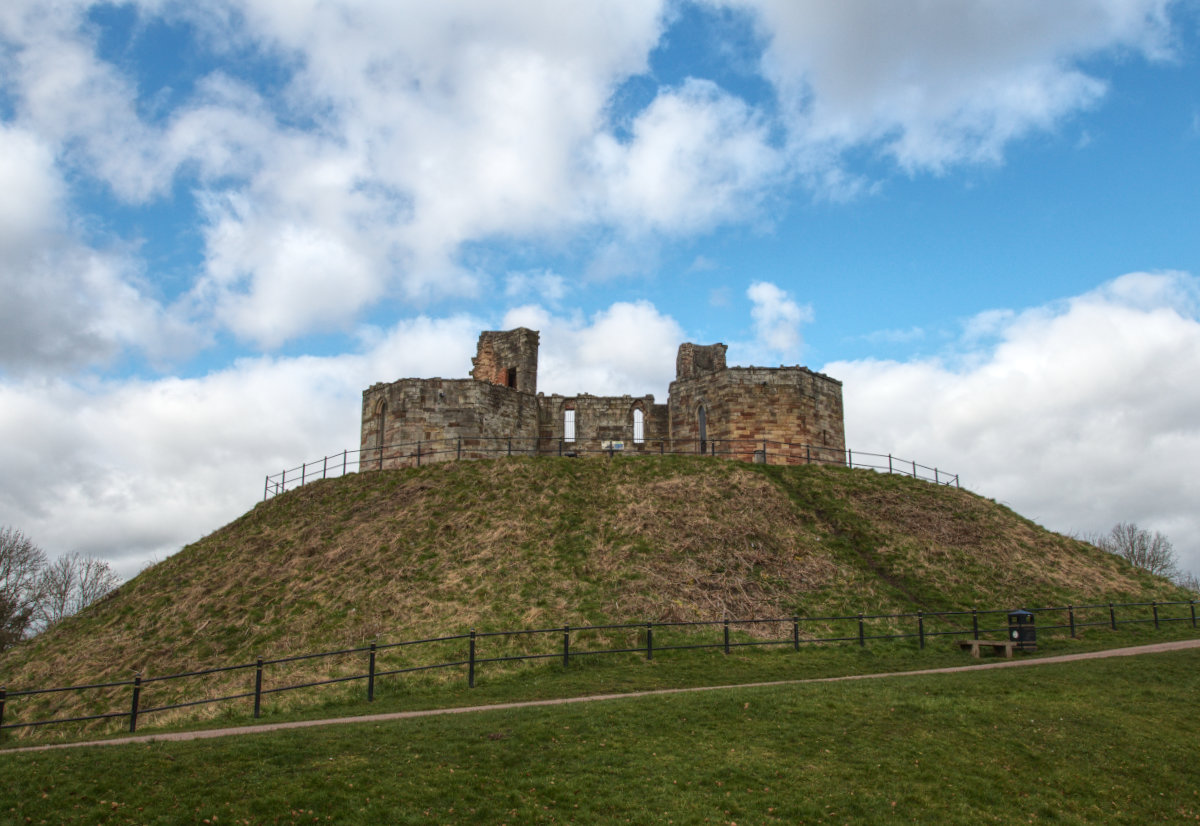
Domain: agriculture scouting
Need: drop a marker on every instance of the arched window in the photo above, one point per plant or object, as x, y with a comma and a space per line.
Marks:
639, 426
569, 423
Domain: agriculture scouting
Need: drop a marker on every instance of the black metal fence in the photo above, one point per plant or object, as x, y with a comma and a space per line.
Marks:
474, 649
431, 451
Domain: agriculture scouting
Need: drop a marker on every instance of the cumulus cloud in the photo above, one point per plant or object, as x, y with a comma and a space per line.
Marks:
628, 348
776, 320
393, 134
942, 82
64, 303
698, 157
1079, 414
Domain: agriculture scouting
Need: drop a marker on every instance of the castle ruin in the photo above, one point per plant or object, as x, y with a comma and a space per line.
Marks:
776, 414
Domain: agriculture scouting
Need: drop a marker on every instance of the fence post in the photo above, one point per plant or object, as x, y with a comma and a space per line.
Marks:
796, 633
975, 623
324, 466
418, 452
914, 464
1112, 616
560, 444
956, 480
471, 662
458, 453
1193, 625
921, 628
3, 694
727, 635
303, 473
649, 641
258, 665
133, 710
266, 483
862, 640
808, 454
662, 447
371, 675
889, 464
936, 480
510, 448
566, 645
381, 453
1154, 606
850, 453
344, 462
1071, 614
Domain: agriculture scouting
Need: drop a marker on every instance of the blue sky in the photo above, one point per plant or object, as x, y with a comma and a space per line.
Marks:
220, 220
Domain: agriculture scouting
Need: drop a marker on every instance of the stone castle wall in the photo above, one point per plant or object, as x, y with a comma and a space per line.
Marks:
499, 408
745, 405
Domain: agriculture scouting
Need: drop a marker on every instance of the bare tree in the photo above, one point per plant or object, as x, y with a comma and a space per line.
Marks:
71, 583
1151, 552
21, 564
1189, 581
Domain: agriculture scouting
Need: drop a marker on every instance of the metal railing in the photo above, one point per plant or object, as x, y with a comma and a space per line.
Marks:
469, 651
430, 451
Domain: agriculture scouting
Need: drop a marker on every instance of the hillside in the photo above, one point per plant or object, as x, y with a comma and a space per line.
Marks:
518, 543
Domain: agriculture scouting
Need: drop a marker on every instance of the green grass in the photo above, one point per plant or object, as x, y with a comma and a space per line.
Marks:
586, 675
1110, 741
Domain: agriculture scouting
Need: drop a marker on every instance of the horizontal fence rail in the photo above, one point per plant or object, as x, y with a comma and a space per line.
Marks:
564, 643
431, 451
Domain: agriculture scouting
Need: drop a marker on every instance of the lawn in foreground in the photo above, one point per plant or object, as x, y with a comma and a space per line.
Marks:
1104, 740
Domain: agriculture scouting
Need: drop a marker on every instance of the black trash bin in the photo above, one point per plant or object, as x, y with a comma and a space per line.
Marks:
1021, 630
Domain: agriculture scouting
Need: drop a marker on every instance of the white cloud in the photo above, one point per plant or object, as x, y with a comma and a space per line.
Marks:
1080, 414
942, 82
628, 348
64, 303
399, 132
543, 285
698, 157
777, 319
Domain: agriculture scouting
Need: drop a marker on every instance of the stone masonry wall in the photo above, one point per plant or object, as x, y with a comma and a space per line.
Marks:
498, 411
601, 419
508, 358
696, 359
743, 405
436, 413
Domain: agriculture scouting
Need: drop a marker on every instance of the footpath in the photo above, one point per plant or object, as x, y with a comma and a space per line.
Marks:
1155, 648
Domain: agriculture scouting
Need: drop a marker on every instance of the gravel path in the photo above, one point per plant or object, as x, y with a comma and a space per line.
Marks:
403, 715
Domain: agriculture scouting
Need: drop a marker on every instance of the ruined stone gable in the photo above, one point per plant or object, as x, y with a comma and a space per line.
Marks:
711, 408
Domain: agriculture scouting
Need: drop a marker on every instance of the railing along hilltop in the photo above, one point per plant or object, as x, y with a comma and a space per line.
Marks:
758, 451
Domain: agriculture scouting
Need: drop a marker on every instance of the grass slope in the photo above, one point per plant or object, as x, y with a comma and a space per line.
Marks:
517, 543
1103, 741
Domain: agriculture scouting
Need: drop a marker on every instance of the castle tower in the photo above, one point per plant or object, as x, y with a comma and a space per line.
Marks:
507, 358
697, 359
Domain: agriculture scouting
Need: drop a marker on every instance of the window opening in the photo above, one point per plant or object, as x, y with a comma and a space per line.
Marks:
639, 432
510, 377
569, 425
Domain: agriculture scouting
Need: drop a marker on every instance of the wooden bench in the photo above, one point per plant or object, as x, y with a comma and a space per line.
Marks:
998, 646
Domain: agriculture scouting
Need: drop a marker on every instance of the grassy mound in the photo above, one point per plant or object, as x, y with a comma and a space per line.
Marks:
516, 543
